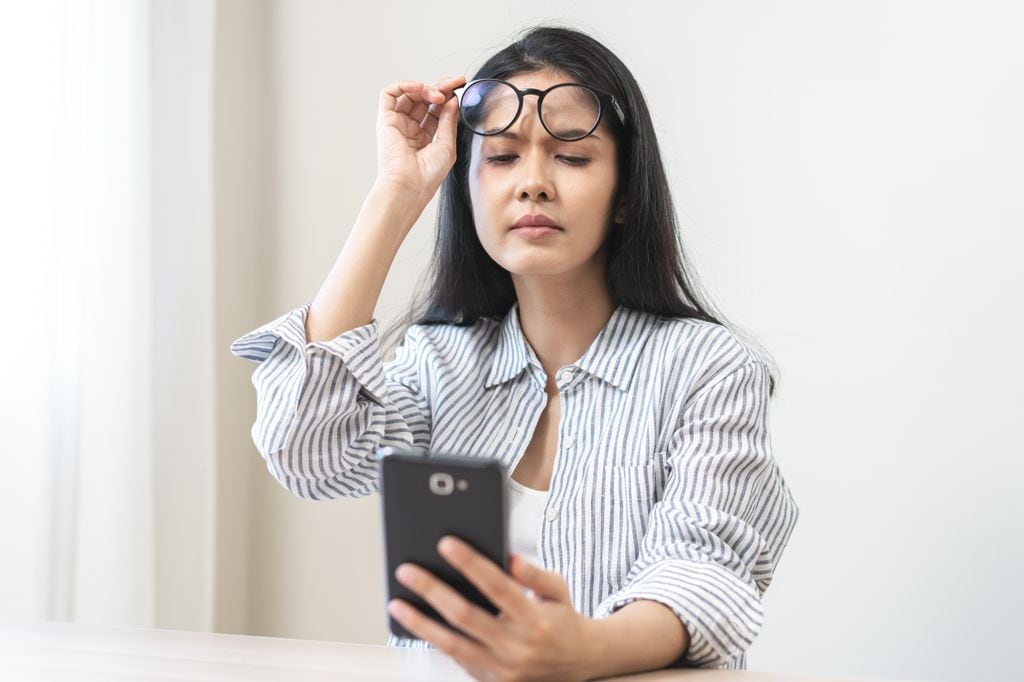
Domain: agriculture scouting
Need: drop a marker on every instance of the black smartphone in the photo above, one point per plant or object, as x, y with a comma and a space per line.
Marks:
425, 496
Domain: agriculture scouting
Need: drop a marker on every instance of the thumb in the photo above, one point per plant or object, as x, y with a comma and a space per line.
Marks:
545, 584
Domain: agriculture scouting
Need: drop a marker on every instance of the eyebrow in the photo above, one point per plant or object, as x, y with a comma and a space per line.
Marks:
515, 136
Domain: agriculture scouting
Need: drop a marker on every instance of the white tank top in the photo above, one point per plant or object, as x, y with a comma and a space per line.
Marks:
526, 506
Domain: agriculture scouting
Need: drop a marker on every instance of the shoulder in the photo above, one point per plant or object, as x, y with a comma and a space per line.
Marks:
702, 353
451, 345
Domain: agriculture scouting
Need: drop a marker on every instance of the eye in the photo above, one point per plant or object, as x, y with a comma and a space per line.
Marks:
570, 160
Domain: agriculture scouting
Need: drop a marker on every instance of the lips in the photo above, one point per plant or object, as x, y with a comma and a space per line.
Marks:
535, 220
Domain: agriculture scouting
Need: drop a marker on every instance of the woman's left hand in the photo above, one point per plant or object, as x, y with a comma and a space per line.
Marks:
538, 638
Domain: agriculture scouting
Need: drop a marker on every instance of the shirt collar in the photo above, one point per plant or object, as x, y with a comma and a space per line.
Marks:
513, 352
612, 356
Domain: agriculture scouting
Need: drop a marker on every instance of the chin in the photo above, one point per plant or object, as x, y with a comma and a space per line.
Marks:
539, 264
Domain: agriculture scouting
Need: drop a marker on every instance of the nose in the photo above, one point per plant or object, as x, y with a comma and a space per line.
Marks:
534, 181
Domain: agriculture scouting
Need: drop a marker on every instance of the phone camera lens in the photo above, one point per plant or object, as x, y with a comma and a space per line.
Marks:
441, 484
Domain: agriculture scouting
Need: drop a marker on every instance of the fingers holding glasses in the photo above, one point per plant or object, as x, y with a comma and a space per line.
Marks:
410, 116
446, 87
416, 96
419, 102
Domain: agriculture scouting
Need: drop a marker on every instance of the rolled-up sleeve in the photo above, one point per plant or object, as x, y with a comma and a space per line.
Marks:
324, 408
725, 516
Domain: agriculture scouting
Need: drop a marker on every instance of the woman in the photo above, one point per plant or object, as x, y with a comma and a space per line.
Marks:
563, 337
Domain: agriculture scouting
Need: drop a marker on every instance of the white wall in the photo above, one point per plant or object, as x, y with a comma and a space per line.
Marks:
849, 179
241, 175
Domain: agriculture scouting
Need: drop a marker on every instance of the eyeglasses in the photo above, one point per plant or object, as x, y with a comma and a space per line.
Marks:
568, 111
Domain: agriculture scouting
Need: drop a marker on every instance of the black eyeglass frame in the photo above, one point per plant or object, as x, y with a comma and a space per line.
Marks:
603, 99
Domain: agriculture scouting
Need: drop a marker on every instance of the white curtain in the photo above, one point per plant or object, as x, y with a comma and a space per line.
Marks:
106, 288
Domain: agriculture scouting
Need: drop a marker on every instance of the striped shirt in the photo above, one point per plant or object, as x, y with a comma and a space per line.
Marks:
664, 484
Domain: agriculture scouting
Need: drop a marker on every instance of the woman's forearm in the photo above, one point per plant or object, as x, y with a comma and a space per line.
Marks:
642, 635
348, 296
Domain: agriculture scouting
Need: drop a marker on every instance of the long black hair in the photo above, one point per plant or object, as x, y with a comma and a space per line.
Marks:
647, 268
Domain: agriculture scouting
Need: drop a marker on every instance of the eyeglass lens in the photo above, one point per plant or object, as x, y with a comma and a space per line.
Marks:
569, 112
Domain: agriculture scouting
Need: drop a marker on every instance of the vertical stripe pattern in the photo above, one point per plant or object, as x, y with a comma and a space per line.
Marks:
664, 485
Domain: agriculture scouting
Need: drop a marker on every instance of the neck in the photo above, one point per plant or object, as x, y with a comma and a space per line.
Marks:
561, 315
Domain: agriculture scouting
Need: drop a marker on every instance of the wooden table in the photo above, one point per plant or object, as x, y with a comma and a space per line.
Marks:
58, 651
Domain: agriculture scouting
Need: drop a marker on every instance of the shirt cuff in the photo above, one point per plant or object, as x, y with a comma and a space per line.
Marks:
358, 348
722, 614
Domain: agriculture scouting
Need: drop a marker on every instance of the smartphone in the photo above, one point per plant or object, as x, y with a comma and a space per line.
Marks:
425, 496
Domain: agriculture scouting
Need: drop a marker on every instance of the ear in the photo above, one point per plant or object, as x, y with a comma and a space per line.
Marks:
620, 212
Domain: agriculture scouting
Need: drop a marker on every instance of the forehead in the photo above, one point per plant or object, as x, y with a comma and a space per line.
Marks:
541, 80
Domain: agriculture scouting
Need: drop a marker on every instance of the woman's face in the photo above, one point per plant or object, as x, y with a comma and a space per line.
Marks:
572, 183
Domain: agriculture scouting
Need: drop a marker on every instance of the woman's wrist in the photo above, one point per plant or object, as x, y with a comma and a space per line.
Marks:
396, 200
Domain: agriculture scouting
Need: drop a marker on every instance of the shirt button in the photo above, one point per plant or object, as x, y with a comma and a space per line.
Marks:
565, 376
569, 442
552, 514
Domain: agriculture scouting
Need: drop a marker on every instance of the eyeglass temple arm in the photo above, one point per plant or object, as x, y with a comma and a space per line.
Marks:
618, 110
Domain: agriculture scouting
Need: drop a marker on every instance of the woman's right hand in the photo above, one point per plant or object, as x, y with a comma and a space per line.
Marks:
409, 159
